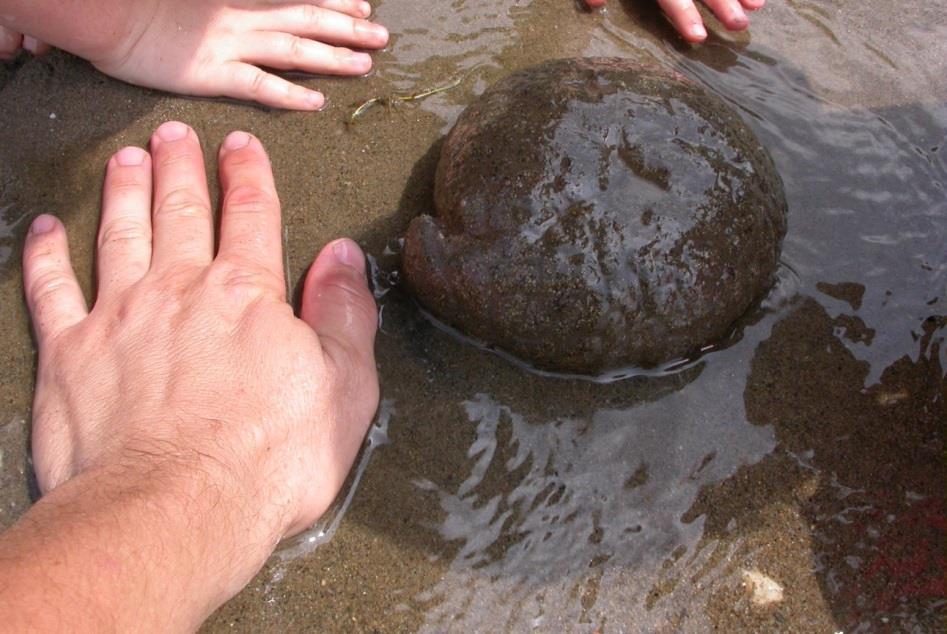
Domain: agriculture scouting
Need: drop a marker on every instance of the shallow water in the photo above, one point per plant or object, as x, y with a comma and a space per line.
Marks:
810, 448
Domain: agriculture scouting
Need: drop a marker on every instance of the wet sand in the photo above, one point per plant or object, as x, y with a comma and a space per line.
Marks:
809, 448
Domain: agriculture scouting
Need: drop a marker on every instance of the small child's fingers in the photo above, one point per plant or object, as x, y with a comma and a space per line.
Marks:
245, 81
354, 8
321, 24
686, 19
290, 52
752, 5
10, 43
730, 13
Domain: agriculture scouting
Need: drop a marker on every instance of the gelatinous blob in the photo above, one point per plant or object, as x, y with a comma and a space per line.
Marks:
592, 214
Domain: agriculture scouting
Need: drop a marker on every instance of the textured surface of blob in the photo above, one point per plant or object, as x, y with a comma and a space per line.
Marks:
592, 214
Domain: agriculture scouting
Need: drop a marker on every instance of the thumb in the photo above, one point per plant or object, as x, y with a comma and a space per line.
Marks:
338, 306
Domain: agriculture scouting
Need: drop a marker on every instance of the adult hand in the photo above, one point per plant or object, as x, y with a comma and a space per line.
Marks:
190, 382
687, 21
198, 356
211, 48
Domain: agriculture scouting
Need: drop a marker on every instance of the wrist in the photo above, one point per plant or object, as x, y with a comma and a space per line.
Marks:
150, 546
66, 25
220, 506
199, 528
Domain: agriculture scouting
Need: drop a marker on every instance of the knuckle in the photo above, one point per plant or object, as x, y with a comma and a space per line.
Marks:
355, 305
257, 82
311, 15
181, 154
342, 55
353, 368
38, 257
250, 199
126, 181
123, 231
170, 284
354, 295
248, 278
182, 202
46, 284
296, 49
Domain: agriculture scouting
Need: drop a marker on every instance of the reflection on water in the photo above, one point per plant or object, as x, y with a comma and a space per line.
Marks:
468, 31
553, 512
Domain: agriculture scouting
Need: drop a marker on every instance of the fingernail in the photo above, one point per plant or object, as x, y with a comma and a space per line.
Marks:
739, 17
316, 100
42, 224
130, 156
172, 131
370, 29
348, 253
698, 30
363, 60
236, 140
366, 9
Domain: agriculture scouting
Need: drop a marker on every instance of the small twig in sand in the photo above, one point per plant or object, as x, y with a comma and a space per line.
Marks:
394, 99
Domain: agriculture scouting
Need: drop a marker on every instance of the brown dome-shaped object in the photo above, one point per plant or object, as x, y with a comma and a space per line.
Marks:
595, 214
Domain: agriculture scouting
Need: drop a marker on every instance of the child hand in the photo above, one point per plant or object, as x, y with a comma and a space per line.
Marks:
208, 48
216, 47
687, 21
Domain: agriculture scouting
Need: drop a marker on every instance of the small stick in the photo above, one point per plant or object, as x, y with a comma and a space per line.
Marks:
395, 98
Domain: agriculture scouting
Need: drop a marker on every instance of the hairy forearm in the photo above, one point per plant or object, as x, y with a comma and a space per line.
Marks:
130, 551
84, 27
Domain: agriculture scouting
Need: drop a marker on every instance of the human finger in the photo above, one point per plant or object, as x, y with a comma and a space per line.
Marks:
685, 18
124, 242
245, 81
250, 230
182, 223
52, 292
730, 13
354, 8
328, 26
291, 52
10, 43
595, 3
36, 47
752, 5
338, 306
